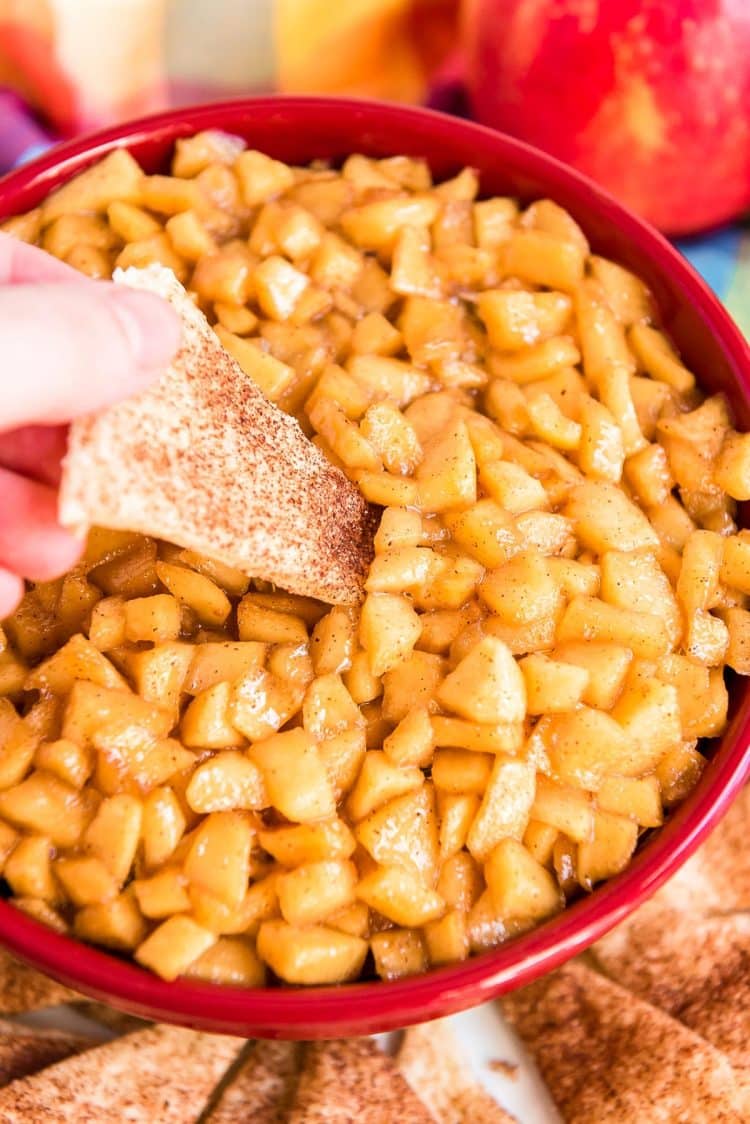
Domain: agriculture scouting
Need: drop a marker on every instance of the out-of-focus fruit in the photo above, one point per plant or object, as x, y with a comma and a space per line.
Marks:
651, 98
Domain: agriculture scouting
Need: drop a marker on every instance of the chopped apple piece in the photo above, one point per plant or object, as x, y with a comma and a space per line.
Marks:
486, 686
520, 887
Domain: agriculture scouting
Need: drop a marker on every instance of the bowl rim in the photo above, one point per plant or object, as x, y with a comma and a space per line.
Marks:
361, 1008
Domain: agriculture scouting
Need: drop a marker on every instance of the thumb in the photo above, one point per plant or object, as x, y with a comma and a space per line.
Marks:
73, 347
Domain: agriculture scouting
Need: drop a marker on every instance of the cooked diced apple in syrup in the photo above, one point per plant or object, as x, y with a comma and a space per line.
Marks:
519, 886
505, 808
310, 955
244, 785
295, 777
486, 686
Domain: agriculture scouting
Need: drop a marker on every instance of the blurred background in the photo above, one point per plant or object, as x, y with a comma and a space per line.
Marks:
649, 97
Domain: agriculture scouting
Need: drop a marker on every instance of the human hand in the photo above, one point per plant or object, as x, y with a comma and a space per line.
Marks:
68, 346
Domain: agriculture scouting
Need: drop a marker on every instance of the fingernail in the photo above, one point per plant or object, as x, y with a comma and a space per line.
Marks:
150, 324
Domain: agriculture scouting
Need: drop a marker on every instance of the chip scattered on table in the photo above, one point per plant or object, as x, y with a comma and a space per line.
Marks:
25, 1050
24, 989
162, 1074
695, 968
263, 1086
352, 1079
609, 1057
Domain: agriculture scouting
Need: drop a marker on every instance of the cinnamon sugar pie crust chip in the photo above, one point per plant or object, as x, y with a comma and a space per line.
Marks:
205, 461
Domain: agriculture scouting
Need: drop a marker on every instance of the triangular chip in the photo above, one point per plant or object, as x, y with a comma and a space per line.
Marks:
431, 1060
610, 1058
203, 460
26, 1049
25, 989
164, 1074
695, 968
262, 1088
353, 1080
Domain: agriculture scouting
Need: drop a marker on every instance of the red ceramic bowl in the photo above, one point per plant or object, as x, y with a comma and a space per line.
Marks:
299, 130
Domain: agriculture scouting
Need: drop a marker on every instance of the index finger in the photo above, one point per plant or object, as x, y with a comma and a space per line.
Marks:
21, 263
71, 349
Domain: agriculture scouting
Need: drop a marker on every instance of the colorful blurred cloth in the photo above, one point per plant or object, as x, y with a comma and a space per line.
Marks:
723, 258
83, 63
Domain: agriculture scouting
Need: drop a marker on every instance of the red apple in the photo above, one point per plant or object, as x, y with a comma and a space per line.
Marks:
649, 97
